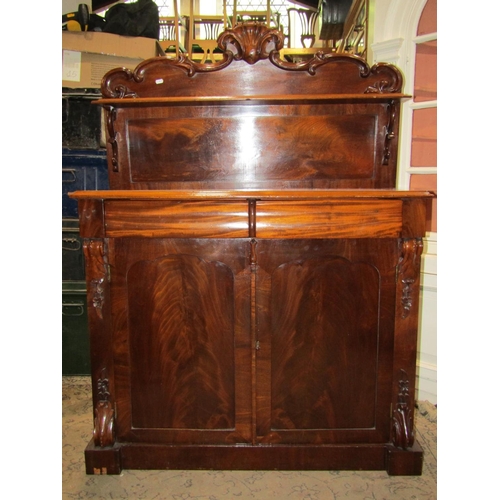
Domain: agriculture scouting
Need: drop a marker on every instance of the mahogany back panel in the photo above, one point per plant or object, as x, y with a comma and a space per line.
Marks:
252, 146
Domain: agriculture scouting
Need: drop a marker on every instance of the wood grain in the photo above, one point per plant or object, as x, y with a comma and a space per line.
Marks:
183, 373
177, 219
343, 219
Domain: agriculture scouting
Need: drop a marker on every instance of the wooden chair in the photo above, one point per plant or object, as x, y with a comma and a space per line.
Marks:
262, 16
307, 19
202, 33
171, 29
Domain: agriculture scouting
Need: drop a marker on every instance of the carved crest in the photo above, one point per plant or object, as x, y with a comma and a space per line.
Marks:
252, 41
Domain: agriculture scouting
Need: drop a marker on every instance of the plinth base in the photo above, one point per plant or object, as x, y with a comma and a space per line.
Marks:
112, 460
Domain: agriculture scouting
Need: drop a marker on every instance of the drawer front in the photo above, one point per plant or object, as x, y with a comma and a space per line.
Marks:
172, 219
316, 219
264, 219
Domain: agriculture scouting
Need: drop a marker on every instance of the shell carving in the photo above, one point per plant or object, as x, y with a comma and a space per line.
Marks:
252, 41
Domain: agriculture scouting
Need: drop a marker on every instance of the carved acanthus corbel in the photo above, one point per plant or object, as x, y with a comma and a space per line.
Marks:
408, 272
103, 414
402, 419
97, 273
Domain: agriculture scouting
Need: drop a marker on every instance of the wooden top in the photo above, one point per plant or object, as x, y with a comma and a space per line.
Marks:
234, 195
240, 99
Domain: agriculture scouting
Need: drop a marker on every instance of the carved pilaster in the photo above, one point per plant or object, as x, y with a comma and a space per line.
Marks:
402, 416
408, 273
97, 273
103, 414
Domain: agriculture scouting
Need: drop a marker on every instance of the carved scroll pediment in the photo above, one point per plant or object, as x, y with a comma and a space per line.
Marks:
250, 42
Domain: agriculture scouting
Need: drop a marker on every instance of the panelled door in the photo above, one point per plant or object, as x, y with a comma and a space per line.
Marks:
182, 340
324, 333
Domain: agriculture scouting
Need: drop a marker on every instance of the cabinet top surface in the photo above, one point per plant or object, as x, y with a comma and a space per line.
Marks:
234, 195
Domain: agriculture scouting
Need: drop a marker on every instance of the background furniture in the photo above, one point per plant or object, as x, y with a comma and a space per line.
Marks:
84, 167
252, 274
238, 15
202, 33
172, 31
308, 19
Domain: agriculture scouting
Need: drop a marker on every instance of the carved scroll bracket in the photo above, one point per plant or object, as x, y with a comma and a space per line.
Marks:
319, 59
408, 272
103, 414
402, 419
97, 272
389, 133
112, 135
391, 79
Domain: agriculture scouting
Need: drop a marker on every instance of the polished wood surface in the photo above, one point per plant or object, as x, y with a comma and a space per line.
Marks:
291, 195
253, 275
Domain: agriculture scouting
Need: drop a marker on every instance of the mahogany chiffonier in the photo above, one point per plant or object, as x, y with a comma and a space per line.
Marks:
252, 273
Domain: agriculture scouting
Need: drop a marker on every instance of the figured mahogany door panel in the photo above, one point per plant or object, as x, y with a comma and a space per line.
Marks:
310, 145
181, 329
321, 339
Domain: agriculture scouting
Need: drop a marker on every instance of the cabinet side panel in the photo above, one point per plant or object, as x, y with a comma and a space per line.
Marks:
181, 318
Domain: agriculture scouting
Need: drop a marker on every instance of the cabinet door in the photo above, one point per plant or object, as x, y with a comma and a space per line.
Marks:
181, 327
325, 340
